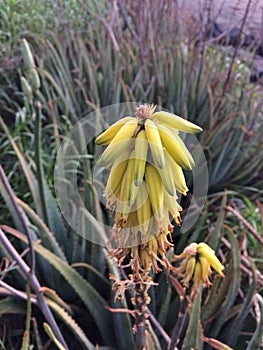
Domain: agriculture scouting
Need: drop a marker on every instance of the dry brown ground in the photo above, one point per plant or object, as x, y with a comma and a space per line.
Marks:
229, 13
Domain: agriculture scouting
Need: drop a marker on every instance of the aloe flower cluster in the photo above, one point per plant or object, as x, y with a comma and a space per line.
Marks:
145, 157
196, 264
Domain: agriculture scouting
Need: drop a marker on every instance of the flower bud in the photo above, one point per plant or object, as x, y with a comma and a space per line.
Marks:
27, 90
34, 79
189, 269
27, 55
204, 250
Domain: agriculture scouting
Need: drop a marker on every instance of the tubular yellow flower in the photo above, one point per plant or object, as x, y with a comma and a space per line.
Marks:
197, 260
198, 273
142, 189
208, 253
189, 269
206, 270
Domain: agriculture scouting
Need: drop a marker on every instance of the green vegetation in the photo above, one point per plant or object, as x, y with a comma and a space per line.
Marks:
99, 55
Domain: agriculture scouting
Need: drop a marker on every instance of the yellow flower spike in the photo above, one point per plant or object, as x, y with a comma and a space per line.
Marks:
197, 260
145, 174
204, 250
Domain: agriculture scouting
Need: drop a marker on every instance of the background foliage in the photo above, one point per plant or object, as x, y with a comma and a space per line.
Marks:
100, 54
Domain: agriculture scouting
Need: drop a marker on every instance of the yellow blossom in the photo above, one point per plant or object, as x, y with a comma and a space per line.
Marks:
145, 157
197, 260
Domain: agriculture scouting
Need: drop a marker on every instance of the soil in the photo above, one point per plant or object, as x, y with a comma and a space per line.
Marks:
229, 14
225, 18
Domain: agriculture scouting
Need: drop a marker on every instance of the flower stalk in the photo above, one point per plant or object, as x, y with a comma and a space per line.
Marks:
145, 157
140, 301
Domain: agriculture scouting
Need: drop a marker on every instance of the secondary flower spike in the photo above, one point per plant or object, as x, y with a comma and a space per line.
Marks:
145, 157
196, 264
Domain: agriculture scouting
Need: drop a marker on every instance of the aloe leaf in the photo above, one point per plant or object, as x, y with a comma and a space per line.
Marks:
97, 258
90, 297
216, 344
11, 208
72, 324
122, 326
32, 182
56, 224
11, 305
152, 341
215, 237
238, 322
86, 219
51, 294
256, 340
100, 276
52, 336
162, 316
233, 278
38, 341
214, 299
46, 236
193, 337
54, 217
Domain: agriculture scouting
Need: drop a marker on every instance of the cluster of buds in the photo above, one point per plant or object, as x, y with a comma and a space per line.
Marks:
145, 157
31, 82
196, 264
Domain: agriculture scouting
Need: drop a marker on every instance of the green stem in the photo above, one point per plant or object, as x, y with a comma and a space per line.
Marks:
21, 216
39, 166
